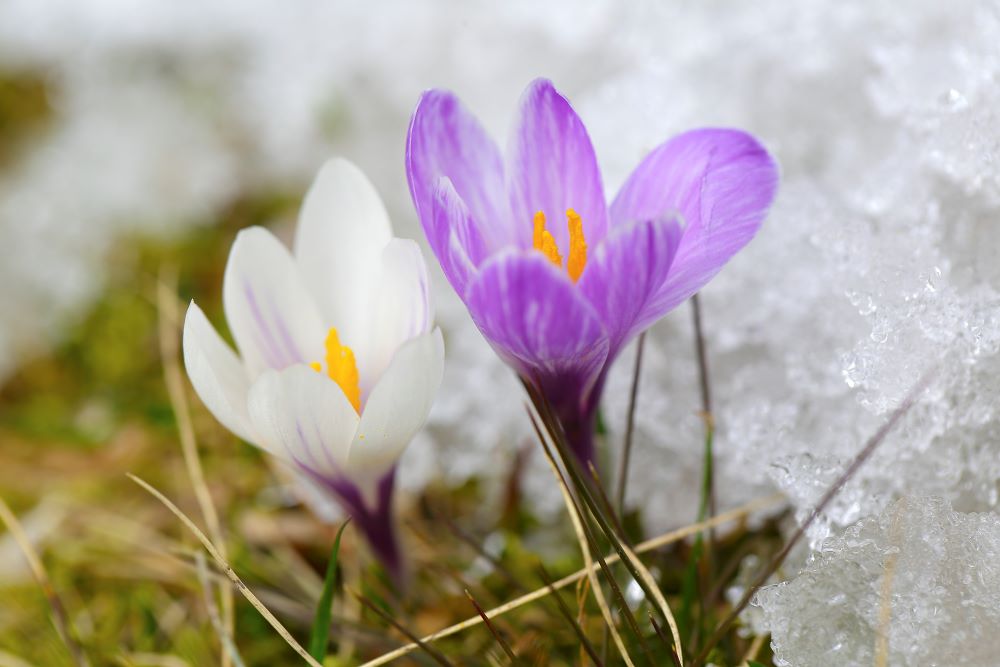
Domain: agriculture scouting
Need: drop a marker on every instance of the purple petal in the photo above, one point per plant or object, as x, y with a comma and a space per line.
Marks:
552, 167
625, 272
454, 237
374, 517
537, 320
719, 183
444, 139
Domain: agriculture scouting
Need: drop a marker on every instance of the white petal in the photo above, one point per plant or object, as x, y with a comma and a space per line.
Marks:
399, 310
398, 405
303, 417
273, 318
217, 374
342, 229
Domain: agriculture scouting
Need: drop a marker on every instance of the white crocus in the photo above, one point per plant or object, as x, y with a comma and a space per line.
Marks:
337, 364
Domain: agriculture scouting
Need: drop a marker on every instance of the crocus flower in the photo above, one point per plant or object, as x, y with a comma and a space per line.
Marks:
337, 364
558, 281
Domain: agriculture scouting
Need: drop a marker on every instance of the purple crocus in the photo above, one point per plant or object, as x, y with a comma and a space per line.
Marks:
497, 228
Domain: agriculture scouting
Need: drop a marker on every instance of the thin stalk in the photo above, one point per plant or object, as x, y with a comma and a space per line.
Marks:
572, 466
568, 615
698, 574
630, 424
586, 538
436, 655
169, 325
493, 630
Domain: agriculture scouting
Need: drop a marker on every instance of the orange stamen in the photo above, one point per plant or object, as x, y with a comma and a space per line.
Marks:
341, 368
542, 240
577, 259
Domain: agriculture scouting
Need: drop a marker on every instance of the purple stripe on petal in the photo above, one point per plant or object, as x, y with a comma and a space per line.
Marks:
536, 318
273, 355
719, 183
454, 236
541, 324
552, 167
292, 353
625, 272
444, 139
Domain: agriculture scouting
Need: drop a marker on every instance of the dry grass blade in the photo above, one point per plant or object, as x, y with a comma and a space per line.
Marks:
885, 594
633, 397
204, 578
235, 578
755, 646
11, 660
660, 601
570, 579
493, 630
59, 617
584, 489
663, 638
859, 460
588, 560
169, 326
429, 650
568, 615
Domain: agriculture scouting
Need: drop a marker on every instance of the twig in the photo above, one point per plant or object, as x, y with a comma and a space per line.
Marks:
496, 633
169, 321
570, 579
59, 617
859, 460
438, 657
630, 424
221, 562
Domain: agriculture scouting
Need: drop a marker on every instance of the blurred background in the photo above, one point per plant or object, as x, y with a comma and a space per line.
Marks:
137, 137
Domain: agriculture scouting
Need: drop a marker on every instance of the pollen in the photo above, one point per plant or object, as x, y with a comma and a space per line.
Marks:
577, 259
341, 368
543, 241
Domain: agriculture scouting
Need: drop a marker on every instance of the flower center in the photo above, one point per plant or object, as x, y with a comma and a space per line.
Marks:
341, 368
543, 242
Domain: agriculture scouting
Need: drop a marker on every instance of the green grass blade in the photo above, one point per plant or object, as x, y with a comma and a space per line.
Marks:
320, 635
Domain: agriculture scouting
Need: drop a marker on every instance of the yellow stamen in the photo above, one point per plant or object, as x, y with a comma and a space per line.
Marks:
341, 368
542, 240
577, 259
